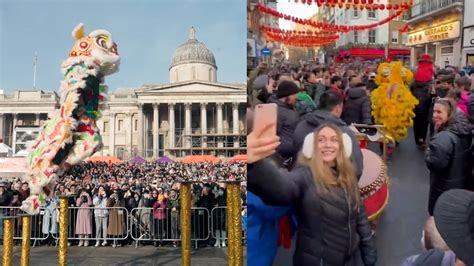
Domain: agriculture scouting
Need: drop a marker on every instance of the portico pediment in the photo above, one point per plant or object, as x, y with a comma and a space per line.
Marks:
193, 87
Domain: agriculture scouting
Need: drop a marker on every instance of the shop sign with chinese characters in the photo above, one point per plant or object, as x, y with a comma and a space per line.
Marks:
434, 34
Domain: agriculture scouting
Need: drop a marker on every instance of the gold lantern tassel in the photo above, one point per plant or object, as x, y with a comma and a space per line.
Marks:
234, 224
7, 259
185, 195
63, 229
25, 239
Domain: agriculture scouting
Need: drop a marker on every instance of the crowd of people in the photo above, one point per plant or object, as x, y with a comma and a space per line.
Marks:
104, 196
305, 173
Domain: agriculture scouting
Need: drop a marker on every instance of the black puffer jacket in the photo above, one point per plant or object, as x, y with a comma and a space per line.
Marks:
287, 120
448, 159
313, 120
331, 231
357, 107
421, 90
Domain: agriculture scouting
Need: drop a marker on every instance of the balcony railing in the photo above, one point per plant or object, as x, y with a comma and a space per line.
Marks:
427, 6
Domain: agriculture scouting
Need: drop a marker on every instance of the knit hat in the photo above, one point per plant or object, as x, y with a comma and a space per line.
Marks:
454, 219
286, 88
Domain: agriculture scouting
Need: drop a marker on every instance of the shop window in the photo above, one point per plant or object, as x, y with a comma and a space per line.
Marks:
372, 36
356, 36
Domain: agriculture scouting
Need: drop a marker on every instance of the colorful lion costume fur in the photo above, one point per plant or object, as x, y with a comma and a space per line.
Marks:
71, 135
392, 101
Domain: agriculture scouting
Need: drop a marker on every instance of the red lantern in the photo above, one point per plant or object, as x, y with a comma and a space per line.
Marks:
389, 6
368, 7
340, 5
396, 6
310, 2
356, 1
348, 6
361, 7
303, 1
381, 6
375, 6
363, 2
370, 1
355, 7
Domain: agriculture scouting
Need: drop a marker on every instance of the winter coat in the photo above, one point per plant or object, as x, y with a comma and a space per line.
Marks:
448, 158
262, 230
432, 257
219, 214
206, 201
313, 120
331, 229
287, 120
117, 216
84, 218
315, 91
5, 198
50, 217
100, 205
463, 102
159, 210
421, 91
173, 203
357, 107
305, 104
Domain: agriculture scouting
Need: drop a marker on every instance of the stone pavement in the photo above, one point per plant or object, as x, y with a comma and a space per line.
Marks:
128, 255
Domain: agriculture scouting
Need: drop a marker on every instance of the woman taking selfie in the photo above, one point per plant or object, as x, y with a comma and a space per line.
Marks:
332, 224
449, 153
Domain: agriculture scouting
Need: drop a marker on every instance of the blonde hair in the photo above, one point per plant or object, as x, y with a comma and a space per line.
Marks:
323, 174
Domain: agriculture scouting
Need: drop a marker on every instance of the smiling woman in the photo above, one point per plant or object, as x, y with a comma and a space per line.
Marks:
324, 192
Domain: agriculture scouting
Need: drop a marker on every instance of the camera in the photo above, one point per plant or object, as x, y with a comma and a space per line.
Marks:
84, 198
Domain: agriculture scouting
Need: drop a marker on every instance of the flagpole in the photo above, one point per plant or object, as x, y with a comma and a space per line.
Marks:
34, 71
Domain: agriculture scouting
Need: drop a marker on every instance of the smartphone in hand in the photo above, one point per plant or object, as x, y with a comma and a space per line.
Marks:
265, 120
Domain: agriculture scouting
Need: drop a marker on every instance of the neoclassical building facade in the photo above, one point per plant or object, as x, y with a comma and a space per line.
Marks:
193, 114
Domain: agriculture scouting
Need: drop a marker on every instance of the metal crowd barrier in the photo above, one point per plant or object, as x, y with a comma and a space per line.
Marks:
139, 224
97, 224
39, 230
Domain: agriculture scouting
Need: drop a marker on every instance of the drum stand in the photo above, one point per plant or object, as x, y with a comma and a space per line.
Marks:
383, 137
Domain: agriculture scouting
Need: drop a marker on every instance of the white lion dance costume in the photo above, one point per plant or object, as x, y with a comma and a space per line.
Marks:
71, 135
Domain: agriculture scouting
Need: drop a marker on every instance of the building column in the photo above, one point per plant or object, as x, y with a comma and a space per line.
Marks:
2, 119
112, 134
171, 122
204, 124
129, 130
235, 123
220, 143
15, 120
187, 124
140, 130
37, 121
156, 107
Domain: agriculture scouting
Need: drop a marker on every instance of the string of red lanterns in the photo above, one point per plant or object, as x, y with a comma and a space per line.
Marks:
299, 33
328, 26
357, 4
302, 42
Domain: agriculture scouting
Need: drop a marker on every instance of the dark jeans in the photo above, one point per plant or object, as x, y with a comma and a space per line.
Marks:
420, 127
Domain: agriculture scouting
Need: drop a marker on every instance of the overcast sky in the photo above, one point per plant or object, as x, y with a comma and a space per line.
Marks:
295, 9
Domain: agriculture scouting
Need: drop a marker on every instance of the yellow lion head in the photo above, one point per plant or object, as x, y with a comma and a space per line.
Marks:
393, 72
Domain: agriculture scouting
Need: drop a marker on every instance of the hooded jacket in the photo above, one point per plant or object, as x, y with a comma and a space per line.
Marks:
313, 120
448, 158
357, 106
286, 123
331, 229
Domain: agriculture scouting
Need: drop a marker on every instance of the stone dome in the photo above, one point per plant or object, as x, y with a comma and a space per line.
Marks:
193, 51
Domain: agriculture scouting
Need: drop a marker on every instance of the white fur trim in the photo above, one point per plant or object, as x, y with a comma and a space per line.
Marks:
347, 142
308, 146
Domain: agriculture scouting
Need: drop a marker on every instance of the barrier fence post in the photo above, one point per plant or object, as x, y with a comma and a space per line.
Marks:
234, 224
25, 239
8, 231
185, 195
63, 230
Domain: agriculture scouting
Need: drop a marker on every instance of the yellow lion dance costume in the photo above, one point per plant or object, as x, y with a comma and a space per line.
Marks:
392, 101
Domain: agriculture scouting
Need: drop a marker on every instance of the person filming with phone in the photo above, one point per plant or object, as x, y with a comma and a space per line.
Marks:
322, 188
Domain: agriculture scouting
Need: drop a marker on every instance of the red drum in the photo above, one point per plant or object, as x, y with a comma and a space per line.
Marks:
373, 185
